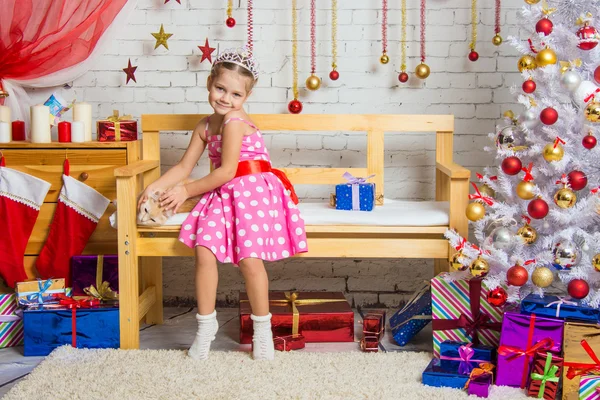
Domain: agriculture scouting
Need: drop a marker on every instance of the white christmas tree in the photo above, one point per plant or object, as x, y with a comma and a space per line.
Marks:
536, 215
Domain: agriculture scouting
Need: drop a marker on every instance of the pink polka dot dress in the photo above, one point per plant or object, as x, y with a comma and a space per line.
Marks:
250, 216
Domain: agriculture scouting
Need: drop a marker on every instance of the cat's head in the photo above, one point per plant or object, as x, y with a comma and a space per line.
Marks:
151, 213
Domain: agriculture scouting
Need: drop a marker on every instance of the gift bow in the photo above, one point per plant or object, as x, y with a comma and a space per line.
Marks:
38, 297
528, 177
558, 303
116, 119
576, 368
353, 180
18, 315
479, 196
73, 305
485, 368
102, 290
548, 376
584, 18
465, 355
567, 65
511, 352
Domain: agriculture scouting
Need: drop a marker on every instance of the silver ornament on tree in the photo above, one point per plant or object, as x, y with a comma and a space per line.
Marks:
566, 254
570, 80
529, 119
501, 238
506, 137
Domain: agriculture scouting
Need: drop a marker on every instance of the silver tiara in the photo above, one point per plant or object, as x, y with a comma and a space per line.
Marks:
241, 56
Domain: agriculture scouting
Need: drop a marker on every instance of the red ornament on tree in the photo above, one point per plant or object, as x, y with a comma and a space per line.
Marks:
577, 180
578, 288
589, 141
538, 208
497, 297
517, 275
230, 22
473, 55
511, 165
295, 107
529, 86
544, 26
549, 116
588, 37
403, 77
334, 75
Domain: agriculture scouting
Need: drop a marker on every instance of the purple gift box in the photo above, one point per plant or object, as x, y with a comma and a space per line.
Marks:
521, 337
93, 271
480, 385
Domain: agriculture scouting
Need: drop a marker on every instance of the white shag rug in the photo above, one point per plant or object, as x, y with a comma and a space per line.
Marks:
169, 374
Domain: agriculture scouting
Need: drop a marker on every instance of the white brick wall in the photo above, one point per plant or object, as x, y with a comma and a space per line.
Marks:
173, 81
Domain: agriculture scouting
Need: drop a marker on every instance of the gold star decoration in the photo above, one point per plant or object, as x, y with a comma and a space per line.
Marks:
162, 37
130, 71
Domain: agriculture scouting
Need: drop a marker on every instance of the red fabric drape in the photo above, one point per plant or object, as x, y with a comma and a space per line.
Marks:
40, 37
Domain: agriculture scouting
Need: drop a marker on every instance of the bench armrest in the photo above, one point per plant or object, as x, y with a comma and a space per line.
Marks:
453, 170
136, 168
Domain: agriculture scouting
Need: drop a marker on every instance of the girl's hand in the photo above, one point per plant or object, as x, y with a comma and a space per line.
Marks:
144, 196
174, 198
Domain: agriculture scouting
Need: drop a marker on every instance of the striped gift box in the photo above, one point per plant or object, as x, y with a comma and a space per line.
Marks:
11, 325
450, 300
589, 387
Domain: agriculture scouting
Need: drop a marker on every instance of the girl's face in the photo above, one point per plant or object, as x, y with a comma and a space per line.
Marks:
227, 92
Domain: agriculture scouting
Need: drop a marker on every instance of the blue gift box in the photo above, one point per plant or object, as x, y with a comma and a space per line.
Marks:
356, 195
49, 328
555, 307
450, 352
414, 316
452, 375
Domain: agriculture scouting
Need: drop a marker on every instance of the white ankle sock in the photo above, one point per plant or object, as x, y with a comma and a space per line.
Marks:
207, 328
262, 341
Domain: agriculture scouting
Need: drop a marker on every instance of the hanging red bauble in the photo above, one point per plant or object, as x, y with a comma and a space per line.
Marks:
577, 180
497, 297
295, 107
403, 77
230, 22
544, 26
511, 165
549, 116
517, 275
537, 208
589, 141
588, 37
597, 75
334, 75
529, 86
473, 55
578, 288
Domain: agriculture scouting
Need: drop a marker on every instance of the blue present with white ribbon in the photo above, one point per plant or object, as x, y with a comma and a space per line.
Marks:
356, 195
413, 317
33, 293
559, 307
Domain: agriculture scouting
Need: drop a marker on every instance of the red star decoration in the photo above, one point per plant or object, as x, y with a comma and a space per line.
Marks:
206, 51
166, 1
130, 71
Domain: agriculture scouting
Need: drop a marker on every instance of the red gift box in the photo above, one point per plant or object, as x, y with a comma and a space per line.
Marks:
318, 316
369, 343
374, 324
545, 375
116, 128
291, 342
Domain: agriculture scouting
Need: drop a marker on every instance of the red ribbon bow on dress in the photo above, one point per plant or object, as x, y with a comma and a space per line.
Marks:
479, 196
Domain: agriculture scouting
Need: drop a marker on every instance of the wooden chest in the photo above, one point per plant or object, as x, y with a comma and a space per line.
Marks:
92, 162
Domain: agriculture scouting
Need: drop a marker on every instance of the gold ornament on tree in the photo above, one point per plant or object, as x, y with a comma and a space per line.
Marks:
486, 190
525, 190
565, 197
422, 70
554, 151
526, 63
546, 57
455, 263
532, 2
527, 233
479, 267
592, 111
542, 277
497, 39
596, 262
475, 211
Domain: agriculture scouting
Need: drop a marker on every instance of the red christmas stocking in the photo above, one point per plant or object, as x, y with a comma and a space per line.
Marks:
77, 213
21, 196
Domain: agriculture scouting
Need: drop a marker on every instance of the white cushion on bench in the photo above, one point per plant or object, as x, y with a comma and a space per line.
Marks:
392, 213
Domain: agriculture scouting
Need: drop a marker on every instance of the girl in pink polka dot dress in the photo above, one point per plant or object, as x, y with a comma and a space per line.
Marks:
247, 212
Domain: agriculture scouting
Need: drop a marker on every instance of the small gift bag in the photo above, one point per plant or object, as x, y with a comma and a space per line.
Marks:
117, 128
356, 195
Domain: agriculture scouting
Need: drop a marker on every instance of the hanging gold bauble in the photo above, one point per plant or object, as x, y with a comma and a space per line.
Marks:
422, 71
565, 198
455, 264
526, 62
479, 268
542, 277
592, 112
313, 82
596, 262
497, 40
545, 57
553, 153
527, 234
532, 2
475, 211
525, 190
487, 191
384, 59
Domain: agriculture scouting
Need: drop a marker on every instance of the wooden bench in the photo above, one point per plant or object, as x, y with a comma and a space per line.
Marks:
140, 280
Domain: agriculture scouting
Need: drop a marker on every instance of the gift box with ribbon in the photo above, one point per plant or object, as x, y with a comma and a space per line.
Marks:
522, 337
83, 323
480, 381
369, 343
117, 128
455, 374
581, 355
461, 351
32, 293
290, 342
11, 324
96, 276
559, 307
589, 387
356, 195
545, 375
374, 323
318, 316
462, 313
412, 317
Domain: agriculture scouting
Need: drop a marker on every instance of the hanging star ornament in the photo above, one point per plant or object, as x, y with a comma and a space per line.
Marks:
130, 71
162, 37
206, 51
166, 1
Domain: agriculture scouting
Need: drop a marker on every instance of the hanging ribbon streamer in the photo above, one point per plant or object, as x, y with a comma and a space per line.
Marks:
473, 55
313, 82
422, 71
295, 106
250, 26
334, 75
403, 77
384, 59
230, 21
497, 39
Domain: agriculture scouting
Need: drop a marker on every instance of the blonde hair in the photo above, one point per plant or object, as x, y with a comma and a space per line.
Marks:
218, 68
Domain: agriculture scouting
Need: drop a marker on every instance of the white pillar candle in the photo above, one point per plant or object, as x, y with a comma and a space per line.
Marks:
5, 135
5, 117
77, 132
83, 112
40, 124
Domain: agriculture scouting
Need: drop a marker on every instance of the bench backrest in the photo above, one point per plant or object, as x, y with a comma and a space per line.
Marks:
375, 125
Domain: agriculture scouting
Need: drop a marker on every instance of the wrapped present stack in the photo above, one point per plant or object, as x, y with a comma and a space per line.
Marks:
373, 330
